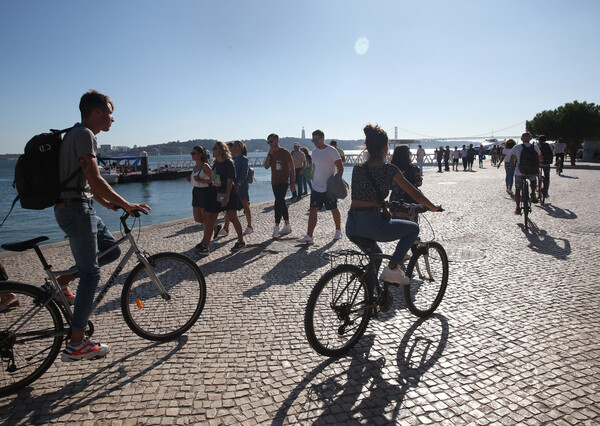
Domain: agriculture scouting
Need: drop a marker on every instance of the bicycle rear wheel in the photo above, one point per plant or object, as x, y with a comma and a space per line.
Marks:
540, 190
158, 317
525, 203
337, 312
428, 270
31, 336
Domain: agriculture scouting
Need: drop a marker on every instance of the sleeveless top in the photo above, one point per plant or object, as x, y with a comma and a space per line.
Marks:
201, 175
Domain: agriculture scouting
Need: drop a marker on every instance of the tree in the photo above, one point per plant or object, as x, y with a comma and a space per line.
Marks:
574, 122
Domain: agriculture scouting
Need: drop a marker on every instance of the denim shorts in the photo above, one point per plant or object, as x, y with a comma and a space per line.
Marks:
519, 180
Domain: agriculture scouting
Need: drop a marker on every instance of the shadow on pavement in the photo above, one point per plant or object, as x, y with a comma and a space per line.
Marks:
541, 242
340, 394
99, 384
557, 212
301, 261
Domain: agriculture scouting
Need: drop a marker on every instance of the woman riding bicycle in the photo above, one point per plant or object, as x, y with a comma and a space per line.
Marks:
365, 216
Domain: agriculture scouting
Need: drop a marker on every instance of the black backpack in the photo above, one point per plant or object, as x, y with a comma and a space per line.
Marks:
529, 161
547, 153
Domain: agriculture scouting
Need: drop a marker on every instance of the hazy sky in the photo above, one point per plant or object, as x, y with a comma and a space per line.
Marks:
241, 69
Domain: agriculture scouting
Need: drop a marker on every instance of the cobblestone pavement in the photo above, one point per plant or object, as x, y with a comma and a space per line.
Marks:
516, 339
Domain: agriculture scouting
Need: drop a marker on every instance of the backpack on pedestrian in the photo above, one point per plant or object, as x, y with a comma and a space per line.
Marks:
37, 177
547, 153
529, 161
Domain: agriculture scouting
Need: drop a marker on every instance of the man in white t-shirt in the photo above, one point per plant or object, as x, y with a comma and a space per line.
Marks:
326, 162
420, 158
559, 151
515, 161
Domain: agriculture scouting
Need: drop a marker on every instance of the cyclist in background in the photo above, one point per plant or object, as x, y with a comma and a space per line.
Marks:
559, 152
524, 171
547, 156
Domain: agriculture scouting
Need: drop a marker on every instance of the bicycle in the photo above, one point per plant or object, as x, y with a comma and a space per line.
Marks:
525, 202
162, 297
348, 295
541, 193
559, 164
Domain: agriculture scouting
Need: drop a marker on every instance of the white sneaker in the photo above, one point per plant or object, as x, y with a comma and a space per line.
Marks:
287, 229
338, 234
306, 239
276, 232
249, 230
394, 276
223, 233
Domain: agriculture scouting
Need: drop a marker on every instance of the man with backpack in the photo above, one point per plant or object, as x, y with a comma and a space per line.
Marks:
525, 158
547, 157
75, 215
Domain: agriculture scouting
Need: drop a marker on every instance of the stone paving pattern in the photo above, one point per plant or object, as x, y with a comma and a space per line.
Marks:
516, 339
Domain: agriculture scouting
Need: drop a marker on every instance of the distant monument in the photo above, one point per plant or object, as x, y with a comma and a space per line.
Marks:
303, 134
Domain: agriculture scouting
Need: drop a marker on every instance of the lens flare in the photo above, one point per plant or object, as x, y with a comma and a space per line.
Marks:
361, 46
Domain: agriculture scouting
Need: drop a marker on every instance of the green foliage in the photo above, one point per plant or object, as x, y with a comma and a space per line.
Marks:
574, 122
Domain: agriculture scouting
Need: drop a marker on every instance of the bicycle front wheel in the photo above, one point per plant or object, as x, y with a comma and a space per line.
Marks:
337, 312
159, 316
31, 335
428, 270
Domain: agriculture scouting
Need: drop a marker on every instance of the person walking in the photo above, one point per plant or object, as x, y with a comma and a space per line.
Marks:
439, 155
420, 158
447, 159
200, 179
307, 181
339, 150
371, 183
240, 161
401, 159
326, 162
481, 155
471, 152
77, 218
279, 160
223, 198
299, 165
509, 169
463, 156
455, 158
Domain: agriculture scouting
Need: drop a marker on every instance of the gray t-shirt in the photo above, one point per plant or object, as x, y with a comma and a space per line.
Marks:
77, 142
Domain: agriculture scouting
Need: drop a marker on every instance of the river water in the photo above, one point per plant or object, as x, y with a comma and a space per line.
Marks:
169, 200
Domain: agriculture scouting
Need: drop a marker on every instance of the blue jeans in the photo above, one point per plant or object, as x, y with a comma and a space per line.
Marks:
299, 181
87, 236
369, 224
510, 174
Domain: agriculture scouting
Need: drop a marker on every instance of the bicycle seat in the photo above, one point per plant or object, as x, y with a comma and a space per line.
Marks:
24, 245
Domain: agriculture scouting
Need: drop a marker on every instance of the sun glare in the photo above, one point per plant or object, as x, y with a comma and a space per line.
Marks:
361, 46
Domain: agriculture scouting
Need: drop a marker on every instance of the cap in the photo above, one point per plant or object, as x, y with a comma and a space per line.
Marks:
296, 144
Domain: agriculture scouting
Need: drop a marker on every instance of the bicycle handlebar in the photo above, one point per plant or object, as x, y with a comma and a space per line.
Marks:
418, 208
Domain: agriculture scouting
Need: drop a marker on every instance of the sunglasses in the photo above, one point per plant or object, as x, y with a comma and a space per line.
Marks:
270, 141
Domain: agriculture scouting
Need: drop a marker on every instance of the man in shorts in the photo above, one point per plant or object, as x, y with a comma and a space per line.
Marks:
326, 162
